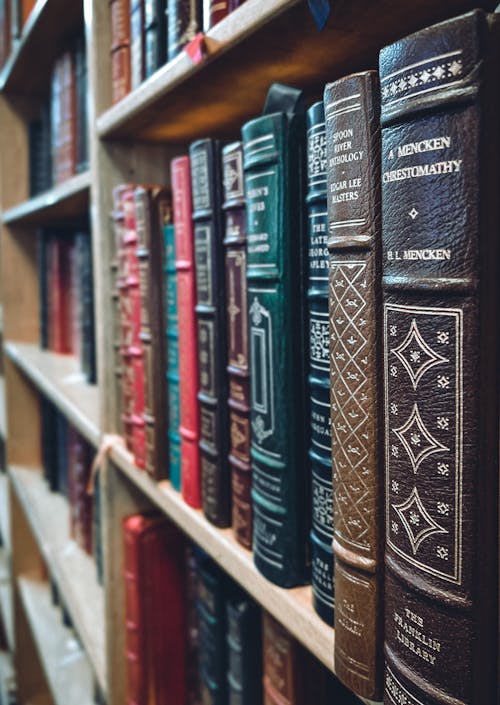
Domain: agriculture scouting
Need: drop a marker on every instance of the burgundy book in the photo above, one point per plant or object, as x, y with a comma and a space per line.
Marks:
188, 340
59, 284
80, 456
155, 604
214, 11
441, 328
237, 341
283, 675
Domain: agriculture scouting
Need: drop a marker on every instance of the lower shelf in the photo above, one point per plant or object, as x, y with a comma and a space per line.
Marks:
72, 569
63, 660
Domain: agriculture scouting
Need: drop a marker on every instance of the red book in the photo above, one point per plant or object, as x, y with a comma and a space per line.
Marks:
79, 464
155, 611
59, 284
188, 344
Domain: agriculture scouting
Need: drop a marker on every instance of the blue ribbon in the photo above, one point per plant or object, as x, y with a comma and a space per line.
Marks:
320, 11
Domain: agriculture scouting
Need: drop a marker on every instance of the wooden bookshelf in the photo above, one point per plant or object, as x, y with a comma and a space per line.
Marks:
72, 569
4, 511
6, 603
69, 200
60, 379
64, 663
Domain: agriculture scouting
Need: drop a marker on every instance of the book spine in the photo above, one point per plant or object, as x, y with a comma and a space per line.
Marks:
27, 6
353, 155
137, 54
211, 606
188, 337
441, 218
172, 367
120, 23
319, 368
283, 676
193, 640
244, 645
210, 313
81, 84
154, 36
237, 340
184, 23
214, 11
273, 149
135, 646
48, 441
43, 251
120, 73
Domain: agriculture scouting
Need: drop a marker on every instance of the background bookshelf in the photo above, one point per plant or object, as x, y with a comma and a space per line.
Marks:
260, 42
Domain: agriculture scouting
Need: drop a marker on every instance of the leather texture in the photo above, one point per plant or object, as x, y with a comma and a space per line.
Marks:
274, 164
120, 23
215, 11
206, 185
155, 642
440, 184
120, 73
184, 23
237, 341
137, 43
283, 679
244, 643
320, 449
155, 41
153, 214
189, 428
352, 113
85, 306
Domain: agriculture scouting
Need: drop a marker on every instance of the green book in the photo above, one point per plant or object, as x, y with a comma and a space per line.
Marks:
172, 332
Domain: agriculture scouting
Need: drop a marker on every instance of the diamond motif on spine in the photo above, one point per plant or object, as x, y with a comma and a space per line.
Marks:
412, 433
417, 364
425, 525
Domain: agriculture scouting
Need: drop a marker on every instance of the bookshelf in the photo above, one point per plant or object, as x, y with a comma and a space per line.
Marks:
261, 42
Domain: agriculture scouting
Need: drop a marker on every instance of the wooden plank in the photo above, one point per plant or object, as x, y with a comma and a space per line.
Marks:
64, 662
23, 417
68, 200
59, 377
43, 37
261, 42
3, 417
72, 569
4, 512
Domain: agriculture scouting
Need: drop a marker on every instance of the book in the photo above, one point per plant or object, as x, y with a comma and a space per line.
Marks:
153, 553
320, 449
80, 502
274, 164
214, 11
193, 684
184, 23
137, 53
283, 675
5, 40
153, 209
120, 49
189, 428
352, 110
43, 264
441, 218
39, 146
244, 645
81, 88
155, 40
59, 303
84, 306
237, 341
26, 7
211, 321
172, 366
48, 441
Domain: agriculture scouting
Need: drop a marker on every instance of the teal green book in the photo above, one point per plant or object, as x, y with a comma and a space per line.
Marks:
274, 165
172, 333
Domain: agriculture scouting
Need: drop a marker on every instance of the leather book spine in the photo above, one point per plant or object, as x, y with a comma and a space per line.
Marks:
184, 23
120, 49
440, 239
273, 157
48, 441
211, 606
283, 681
193, 641
55, 121
135, 632
15, 21
120, 23
81, 89
26, 7
354, 235
86, 312
137, 54
244, 644
61, 473
60, 313
189, 428
172, 359
5, 41
152, 211
43, 251
320, 453
237, 341
214, 11
211, 320
154, 36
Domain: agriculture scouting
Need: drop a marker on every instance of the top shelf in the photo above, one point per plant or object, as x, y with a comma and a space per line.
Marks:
27, 69
264, 41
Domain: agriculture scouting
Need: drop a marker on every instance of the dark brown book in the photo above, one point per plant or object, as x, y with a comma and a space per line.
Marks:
441, 328
120, 48
153, 208
237, 341
184, 23
26, 7
137, 43
354, 232
283, 675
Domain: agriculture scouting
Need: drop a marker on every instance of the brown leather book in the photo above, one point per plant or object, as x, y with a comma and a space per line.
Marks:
283, 675
26, 7
353, 168
441, 327
153, 208
237, 341
120, 49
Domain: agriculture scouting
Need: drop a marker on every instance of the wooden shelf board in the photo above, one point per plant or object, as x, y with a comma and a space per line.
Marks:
66, 668
60, 379
72, 569
3, 411
6, 603
27, 70
4, 511
264, 41
68, 200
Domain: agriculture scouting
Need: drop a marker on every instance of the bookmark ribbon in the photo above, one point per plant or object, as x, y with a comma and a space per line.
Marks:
320, 10
196, 48
108, 441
